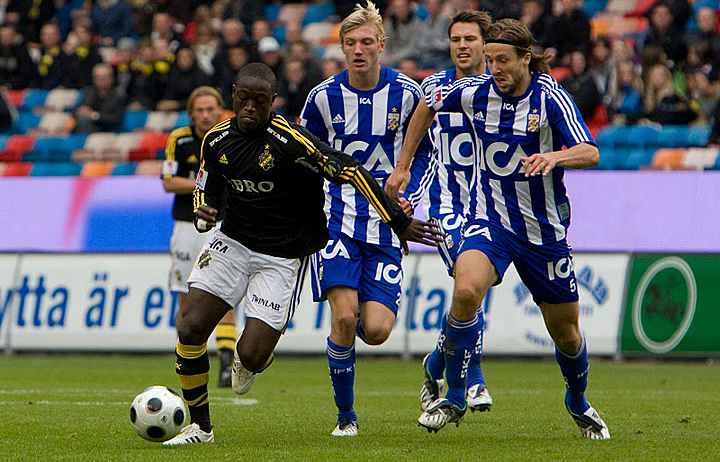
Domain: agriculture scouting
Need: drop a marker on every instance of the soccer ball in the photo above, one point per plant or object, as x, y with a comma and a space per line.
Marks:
157, 413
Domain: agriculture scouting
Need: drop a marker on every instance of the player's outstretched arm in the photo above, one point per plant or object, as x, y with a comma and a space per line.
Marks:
209, 186
583, 155
419, 125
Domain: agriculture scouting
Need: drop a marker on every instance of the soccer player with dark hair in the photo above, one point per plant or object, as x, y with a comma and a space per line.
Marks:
364, 112
448, 196
274, 219
519, 210
182, 160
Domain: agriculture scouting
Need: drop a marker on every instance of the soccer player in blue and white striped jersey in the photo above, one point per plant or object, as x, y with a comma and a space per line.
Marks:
448, 197
519, 210
363, 112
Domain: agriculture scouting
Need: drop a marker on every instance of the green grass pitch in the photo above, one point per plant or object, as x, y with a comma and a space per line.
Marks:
76, 407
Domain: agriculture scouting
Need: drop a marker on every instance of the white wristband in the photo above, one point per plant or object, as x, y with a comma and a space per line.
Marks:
202, 225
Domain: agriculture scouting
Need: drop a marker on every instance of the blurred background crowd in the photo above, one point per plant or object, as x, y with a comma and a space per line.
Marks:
89, 63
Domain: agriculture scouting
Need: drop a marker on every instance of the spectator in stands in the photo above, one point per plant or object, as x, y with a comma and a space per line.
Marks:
401, 28
201, 15
235, 58
184, 77
680, 10
29, 16
293, 89
581, 85
714, 138
260, 29
293, 31
52, 63
661, 103
247, 11
162, 28
664, 33
570, 30
82, 57
233, 34
331, 66
112, 19
269, 52
103, 105
532, 14
144, 94
206, 47
625, 102
17, 70
409, 67
125, 76
704, 94
433, 49
8, 114
602, 68
301, 51
707, 32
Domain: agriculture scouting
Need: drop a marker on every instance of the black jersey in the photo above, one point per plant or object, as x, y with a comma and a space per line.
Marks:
274, 176
182, 158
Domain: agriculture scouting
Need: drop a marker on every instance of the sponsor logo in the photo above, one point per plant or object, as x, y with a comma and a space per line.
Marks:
303, 161
223, 159
183, 140
204, 259
332, 250
338, 119
266, 303
365, 101
251, 186
533, 121
564, 211
664, 304
437, 95
266, 160
201, 180
169, 167
218, 138
388, 272
218, 246
479, 117
393, 120
278, 135
472, 230
508, 107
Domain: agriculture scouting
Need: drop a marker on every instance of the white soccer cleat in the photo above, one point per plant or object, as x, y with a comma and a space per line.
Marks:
432, 389
478, 399
346, 427
591, 425
191, 434
242, 379
441, 413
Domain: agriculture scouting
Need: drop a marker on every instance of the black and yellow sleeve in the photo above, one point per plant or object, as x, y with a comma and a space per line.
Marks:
171, 164
209, 184
341, 168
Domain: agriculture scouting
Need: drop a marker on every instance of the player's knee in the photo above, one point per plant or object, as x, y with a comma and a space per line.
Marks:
345, 323
191, 332
252, 358
466, 297
568, 341
376, 334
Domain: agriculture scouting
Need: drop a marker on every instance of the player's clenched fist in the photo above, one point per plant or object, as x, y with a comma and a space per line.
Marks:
205, 218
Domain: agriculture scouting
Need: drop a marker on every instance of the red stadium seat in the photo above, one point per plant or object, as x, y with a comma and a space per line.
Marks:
149, 145
559, 73
15, 97
17, 169
16, 146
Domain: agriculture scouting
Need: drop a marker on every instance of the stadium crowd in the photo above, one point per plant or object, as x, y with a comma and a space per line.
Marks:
624, 63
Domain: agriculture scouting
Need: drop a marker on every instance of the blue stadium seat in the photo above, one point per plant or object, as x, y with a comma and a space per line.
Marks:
25, 121
3, 141
278, 32
272, 12
44, 150
56, 169
608, 159
318, 12
698, 136
34, 98
673, 136
593, 7
133, 120
183, 119
640, 137
610, 136
633, 159
124, 168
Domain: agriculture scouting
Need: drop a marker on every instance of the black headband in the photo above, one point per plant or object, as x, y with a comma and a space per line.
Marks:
506, 42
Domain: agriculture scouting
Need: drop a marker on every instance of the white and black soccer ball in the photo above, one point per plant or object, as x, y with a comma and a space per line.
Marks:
157, 413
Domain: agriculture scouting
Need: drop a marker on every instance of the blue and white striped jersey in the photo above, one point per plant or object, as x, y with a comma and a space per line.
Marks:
451, 134
544, 119
370, 126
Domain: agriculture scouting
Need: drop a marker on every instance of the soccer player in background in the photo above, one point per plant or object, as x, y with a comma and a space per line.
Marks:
364, 112
519, 211
182, 160
274, 219
448, 196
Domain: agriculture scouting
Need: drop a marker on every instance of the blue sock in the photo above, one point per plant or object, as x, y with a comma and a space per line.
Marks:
459, 346
342, 374
436, 361
575, 371
475, 375
360, 332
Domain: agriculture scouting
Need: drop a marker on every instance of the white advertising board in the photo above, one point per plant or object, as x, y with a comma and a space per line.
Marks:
120, 302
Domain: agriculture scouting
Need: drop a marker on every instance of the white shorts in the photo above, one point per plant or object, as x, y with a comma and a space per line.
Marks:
271, 285
185, 245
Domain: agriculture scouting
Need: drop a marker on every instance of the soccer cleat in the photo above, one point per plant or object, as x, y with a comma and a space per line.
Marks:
242, 379
441, 413
226, 363
432, 389
191, 434
478, 399
346, 427
591, 425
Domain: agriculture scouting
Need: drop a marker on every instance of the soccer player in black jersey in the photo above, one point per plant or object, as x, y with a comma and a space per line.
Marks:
182, 161
274, 220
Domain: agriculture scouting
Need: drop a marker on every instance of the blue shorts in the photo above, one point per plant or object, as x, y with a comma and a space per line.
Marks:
547, 270
452, 226
375, 271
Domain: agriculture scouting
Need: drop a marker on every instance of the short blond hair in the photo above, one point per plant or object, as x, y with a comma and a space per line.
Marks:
203, 91
369, 14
